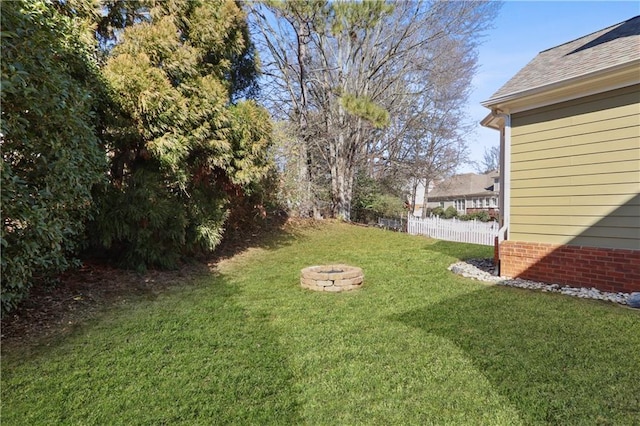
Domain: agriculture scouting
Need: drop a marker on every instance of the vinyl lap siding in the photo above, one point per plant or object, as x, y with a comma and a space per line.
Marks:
575, 172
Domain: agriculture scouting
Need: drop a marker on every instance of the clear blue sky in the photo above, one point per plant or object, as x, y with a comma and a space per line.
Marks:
521, 31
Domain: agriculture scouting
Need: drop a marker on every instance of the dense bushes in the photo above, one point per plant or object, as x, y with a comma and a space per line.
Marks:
436, 211
481, 215
51, 156
147, 151
371, 201
189, 151
451, 212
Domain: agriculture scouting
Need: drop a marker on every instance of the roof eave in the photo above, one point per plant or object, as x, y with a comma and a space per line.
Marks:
587, 84
492, 121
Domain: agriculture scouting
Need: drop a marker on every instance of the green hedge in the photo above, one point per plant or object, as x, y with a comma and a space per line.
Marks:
50, 154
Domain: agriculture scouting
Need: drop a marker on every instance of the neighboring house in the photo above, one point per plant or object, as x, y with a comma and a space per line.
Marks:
468, 193
569, 125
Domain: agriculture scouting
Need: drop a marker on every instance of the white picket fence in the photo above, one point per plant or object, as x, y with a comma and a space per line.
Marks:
470, 231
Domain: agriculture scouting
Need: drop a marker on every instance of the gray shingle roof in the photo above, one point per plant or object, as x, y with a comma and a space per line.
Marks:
607, 48
463, 185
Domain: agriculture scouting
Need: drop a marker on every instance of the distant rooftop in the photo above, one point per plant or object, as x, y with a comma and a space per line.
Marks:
616, 45
464, 185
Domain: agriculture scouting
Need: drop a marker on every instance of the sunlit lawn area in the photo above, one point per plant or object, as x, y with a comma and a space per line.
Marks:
416, 345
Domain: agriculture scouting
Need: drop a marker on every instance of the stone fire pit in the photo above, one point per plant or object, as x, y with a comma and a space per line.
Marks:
332, 278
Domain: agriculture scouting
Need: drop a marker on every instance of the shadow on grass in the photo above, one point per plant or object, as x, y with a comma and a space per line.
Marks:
81, 294
461, 251
193, 356
559, 360
273, 233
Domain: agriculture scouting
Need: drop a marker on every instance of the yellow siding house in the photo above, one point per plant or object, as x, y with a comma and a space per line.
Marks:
569, 125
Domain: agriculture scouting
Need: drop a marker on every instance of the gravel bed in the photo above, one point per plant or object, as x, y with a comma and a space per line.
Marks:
483, 270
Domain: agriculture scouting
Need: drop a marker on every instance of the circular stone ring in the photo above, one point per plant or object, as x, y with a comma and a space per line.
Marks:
331, 278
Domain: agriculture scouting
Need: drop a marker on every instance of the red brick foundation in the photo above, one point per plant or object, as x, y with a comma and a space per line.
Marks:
610, 270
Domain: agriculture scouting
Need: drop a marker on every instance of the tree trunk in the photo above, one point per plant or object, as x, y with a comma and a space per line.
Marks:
342, 165
309, 200
304, 183
342, 182
414, 194
425, 200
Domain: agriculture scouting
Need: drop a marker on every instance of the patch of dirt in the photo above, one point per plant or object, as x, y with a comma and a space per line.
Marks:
81, 294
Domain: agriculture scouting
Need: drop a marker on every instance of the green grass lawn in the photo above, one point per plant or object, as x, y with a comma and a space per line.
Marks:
416, 345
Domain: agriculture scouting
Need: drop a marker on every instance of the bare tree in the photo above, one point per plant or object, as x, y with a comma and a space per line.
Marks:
361, 70
490, 160
283, 33
431, 144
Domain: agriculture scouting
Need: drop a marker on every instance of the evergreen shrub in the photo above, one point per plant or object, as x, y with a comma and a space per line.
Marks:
51, 157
